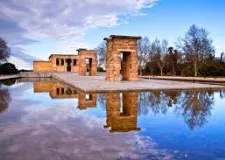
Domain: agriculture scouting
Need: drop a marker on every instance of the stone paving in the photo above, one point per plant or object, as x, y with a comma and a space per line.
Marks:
98, 84
9, 77
193, 79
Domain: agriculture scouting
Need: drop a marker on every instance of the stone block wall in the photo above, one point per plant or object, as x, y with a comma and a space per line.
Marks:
87, 54
77, 64
36, 75
115, 64
42, 66
63, 67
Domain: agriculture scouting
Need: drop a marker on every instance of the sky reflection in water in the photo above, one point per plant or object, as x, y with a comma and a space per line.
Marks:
49, 120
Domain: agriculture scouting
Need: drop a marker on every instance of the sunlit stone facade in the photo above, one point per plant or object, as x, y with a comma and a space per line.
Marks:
85, 63
122, 58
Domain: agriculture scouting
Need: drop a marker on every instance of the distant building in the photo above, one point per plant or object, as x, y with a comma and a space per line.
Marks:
85, 63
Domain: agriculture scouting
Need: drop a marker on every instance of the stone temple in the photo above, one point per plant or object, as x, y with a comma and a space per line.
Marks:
85, 63
122, 58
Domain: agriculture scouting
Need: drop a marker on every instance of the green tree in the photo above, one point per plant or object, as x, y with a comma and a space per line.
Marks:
8, 68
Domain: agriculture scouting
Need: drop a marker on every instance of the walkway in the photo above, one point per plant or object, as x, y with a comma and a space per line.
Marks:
190, 79
98, 84
9, 77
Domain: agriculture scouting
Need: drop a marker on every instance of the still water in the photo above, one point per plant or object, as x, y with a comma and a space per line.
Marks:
45, 119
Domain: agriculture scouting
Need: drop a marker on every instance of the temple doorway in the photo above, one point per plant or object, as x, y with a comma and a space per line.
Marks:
125, 61
88, 66
68, 66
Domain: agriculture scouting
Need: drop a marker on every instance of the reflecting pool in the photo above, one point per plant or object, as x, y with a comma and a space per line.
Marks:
46, 119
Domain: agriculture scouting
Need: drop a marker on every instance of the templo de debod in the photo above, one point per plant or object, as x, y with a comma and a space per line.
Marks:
85, 63
121, 60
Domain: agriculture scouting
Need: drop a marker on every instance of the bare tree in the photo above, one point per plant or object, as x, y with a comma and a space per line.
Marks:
101, 54
159, 51
196, 46
144, 46
4, 50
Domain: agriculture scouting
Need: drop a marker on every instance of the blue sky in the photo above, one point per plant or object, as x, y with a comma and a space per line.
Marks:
170, 19
40, 28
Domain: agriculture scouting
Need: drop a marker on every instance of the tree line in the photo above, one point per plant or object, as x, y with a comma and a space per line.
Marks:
193, 55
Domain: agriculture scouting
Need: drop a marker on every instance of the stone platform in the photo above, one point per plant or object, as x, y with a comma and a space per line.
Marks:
214, 80
98, 84
2, 77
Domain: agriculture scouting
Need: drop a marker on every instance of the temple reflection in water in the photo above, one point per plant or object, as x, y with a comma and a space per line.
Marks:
58, 90
122, 109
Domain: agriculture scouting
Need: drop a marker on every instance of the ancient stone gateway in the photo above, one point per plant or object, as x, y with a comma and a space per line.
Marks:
87, 62
122, 58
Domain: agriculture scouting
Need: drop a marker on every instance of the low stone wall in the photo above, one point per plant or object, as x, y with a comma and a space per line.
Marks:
42, 66
188, 79
4, 77
36, 74
27, 79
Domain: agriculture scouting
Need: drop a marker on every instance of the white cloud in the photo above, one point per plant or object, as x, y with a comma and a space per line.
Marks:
62, 21
101, 20
70, 46
68, 18
19, 63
